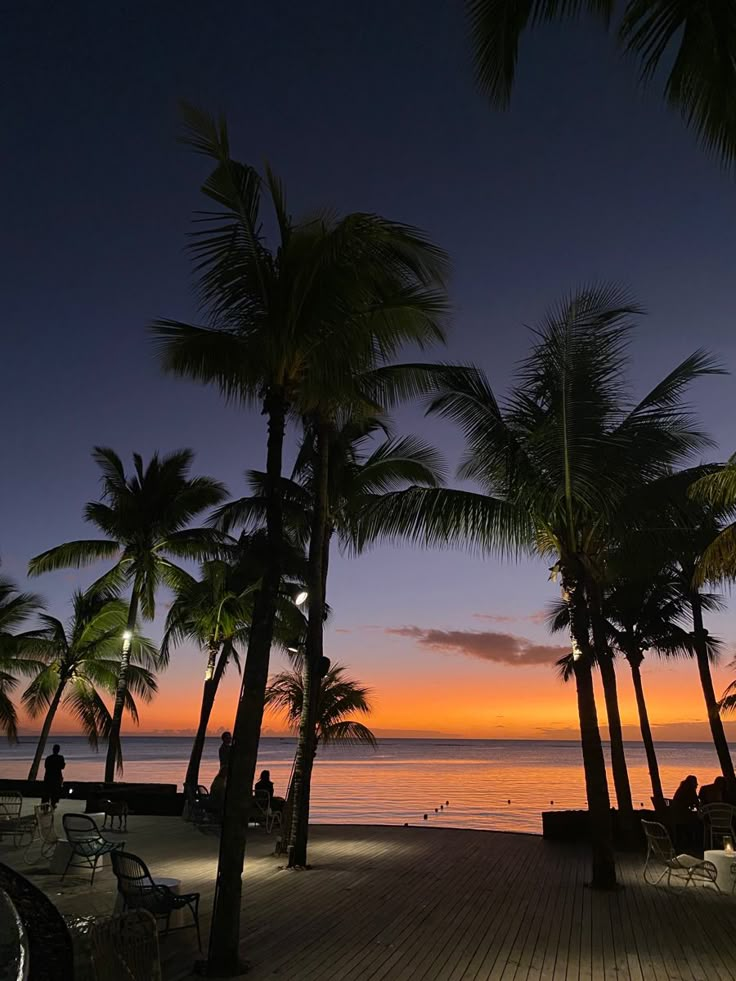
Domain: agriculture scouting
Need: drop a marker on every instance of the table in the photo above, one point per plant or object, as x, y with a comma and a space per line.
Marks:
177, 917
724, 862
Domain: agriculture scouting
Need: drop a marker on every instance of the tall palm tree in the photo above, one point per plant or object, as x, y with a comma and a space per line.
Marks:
81, 660
339, 699
355, 467
693, 41
145, 517
15, 609
288, 324
556, 465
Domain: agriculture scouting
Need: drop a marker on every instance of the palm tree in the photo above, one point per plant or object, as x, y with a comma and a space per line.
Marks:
556, 465
356, 467
718, 491
289, 324
693, 40
145, 518
215, 612
82, 659
339, 699
643, 611
15, 609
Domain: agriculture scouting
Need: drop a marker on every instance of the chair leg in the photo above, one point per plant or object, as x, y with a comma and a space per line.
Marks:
94, 869
195, 917
68, 863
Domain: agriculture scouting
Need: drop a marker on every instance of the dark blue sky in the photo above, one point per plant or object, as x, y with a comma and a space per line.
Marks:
361, 107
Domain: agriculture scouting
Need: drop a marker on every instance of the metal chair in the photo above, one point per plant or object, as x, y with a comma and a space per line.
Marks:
139, 890
125, 947
12, 823
685, 867
263, 813
86, 843
719, 822
45, 837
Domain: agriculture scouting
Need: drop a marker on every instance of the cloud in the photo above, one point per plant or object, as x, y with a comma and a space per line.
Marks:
486, 645
539, 617
342, 630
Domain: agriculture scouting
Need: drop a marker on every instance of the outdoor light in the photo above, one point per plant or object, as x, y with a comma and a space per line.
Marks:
727, 843
301, 598
293, 650
127, 635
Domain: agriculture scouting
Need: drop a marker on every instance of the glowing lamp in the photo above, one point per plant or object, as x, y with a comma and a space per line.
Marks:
301, 598
127, 635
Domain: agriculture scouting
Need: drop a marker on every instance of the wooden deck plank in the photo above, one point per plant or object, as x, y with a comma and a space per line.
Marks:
420, 904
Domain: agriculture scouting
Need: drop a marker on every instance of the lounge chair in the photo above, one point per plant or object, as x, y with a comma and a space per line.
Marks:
86, 844
719, 822
138, 889
660, 852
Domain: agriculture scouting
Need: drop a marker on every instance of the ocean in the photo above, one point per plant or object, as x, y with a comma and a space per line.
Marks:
460, 783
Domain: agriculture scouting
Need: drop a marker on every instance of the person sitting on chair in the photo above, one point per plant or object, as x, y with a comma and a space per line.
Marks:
265, 786
713, 793
685, 798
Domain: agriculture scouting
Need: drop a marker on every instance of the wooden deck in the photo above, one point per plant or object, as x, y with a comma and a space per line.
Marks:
422, 904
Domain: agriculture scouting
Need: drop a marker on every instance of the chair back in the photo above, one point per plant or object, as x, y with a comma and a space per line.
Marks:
11, 804
262, 803
132, 874
659, 842
82, 833
720, 817
45, 823
125, 947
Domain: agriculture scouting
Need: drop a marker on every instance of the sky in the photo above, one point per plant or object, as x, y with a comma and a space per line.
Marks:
586, 178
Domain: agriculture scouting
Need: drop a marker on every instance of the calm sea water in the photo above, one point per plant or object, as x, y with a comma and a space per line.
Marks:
488, 783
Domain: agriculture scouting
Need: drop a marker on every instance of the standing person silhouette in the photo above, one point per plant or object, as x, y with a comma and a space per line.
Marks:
53, 779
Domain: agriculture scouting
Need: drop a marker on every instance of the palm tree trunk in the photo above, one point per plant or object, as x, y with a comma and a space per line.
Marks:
114, 757
212, 677
646, 734
594, 764
45, 730
224, 945
613, 713
615, 734
700, 637
314, 652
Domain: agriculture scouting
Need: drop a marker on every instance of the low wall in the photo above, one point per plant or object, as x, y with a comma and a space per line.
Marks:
161, 799
575, 826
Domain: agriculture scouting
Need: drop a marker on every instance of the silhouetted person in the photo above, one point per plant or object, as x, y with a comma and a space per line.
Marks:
687, 829
713, 793
53, 779
217, 790
224, 751
686, 796
265, 786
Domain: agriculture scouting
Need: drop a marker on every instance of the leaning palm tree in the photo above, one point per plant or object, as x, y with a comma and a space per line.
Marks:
693, 41
288, 325
79, 662
16, 608
145, 518
355, 466
339, 699
556, 465
215, 612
